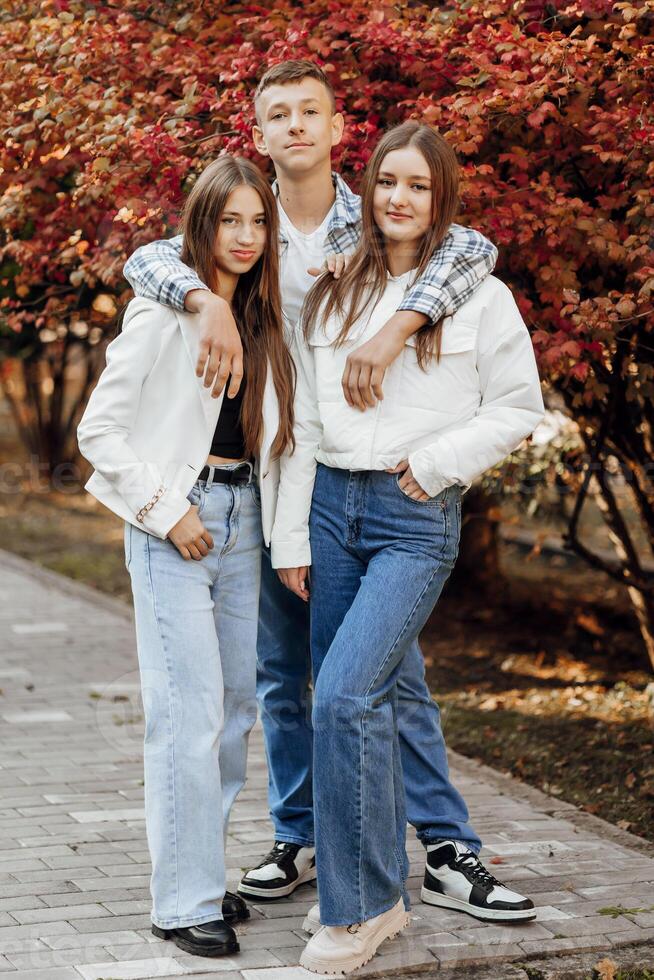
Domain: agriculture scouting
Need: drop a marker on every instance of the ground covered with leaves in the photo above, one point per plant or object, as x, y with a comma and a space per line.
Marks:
550, 684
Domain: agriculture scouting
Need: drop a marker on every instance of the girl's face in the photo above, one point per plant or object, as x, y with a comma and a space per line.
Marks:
403, 196
242, 232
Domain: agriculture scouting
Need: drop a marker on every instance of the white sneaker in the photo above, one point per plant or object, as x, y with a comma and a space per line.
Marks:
311, 923
455, 878
338, 950
282, 870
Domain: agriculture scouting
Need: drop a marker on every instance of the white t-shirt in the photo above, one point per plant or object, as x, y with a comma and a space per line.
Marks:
304, 251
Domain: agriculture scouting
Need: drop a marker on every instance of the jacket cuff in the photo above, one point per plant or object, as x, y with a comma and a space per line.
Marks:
431, 306
165, 512
175, 293
288, 554
427, 473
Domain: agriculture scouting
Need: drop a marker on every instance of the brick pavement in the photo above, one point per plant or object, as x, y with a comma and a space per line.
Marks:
74, 866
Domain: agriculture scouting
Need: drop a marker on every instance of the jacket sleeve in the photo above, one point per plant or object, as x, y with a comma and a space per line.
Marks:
108, 420
510, 409
156, 272
455, 270
290, 546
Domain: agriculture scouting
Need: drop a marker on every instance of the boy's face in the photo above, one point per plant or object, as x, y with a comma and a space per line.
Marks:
296, 125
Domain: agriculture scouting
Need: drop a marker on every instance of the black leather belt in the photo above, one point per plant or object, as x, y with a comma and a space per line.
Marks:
240, 475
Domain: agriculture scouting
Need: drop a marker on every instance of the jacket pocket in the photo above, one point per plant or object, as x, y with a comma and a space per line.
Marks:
449, 386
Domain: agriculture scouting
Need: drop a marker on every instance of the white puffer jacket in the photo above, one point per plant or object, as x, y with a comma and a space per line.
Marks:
452, 422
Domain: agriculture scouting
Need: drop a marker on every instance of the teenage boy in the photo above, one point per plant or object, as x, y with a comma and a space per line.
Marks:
296, 126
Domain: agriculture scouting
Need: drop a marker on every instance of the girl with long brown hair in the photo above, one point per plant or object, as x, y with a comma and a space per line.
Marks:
372, 503
191, 477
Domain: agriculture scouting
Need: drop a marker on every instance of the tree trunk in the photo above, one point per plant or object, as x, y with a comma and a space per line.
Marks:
478, 567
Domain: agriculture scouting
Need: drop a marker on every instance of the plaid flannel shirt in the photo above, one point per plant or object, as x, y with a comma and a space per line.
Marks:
462, 262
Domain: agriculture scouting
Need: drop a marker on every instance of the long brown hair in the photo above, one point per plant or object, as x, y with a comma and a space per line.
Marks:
365, 278
257, 305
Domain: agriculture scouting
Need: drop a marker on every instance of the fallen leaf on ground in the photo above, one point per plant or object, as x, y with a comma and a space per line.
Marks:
606, 969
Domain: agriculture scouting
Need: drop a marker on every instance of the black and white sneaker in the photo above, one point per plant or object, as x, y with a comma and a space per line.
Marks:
280, 872
455, 878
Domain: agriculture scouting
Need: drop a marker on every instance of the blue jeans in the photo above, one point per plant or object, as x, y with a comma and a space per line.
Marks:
196, 629
380, 561
434, 807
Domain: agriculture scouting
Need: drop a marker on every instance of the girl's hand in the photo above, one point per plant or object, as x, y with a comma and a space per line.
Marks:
296, 579
408, 483
336, 264
190, 536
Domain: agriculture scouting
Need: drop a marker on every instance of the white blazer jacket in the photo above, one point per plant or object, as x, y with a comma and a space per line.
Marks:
149, 423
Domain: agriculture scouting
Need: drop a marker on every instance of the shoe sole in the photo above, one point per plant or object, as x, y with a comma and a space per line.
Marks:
194, 948
271, 893
486, 915
393, 927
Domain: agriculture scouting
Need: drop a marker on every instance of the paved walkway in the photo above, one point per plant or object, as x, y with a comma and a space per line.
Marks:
74, 865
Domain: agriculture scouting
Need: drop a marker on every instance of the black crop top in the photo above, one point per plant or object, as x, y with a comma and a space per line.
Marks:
228, 440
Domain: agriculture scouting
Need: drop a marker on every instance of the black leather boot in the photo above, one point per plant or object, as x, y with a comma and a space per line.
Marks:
208, 939
234, 908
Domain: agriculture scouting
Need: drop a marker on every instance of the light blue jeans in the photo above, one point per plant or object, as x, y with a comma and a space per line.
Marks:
196, 628
380, 561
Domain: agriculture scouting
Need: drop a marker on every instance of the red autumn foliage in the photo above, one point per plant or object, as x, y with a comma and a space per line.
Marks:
108, 109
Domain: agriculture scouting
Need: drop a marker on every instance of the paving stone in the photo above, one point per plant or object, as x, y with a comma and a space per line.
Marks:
137, 905
249, 960
136, 970
83, 898
578, 944
591, 925
628, 937
32, 931
93, 884
8, 946
67, 912
75, 864
505, 934
112, 922
50, 973
47, 959
79, 940
464, 956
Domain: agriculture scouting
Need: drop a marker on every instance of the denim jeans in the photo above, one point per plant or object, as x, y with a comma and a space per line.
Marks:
283, 674
434, 807
380, 561
196, 628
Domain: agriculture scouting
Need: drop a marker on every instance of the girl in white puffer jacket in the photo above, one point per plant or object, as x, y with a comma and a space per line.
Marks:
372, 502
